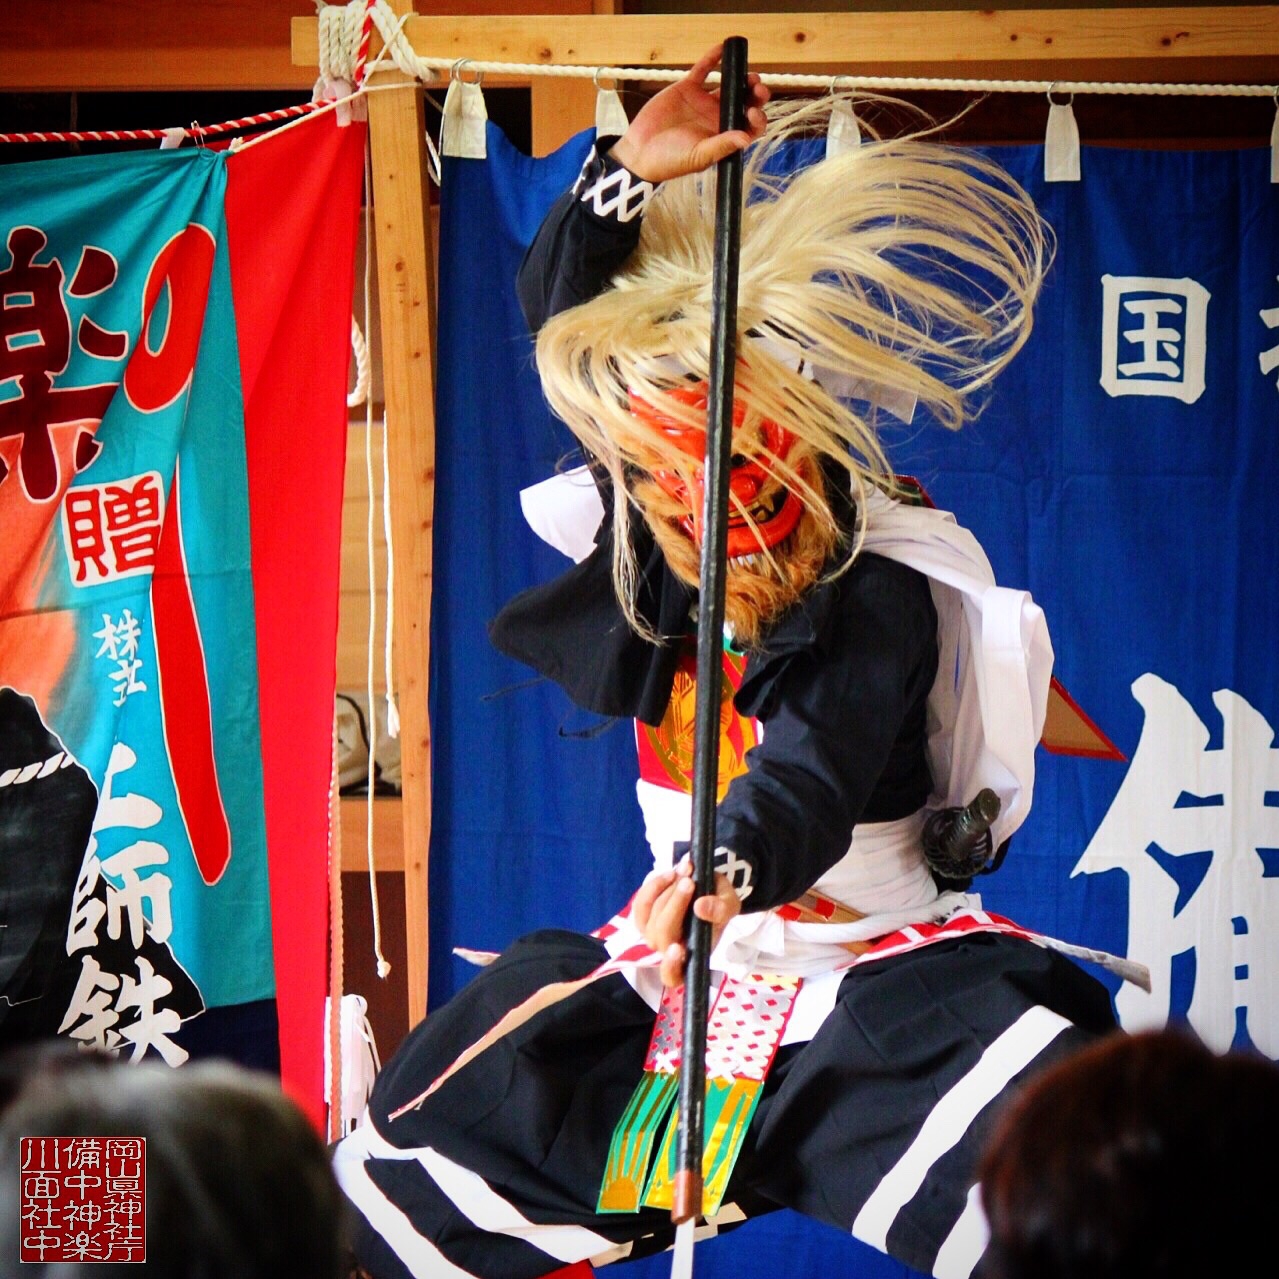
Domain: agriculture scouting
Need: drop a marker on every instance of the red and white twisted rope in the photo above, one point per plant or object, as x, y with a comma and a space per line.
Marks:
144, 135
366, 35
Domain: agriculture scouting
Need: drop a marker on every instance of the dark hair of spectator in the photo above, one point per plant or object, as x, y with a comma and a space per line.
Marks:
238, 1182
1141, 1155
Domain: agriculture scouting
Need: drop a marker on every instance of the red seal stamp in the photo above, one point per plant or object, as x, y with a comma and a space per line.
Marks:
83, 1199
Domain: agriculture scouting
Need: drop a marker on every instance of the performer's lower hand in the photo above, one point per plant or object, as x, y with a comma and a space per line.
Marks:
677, 130
662, 902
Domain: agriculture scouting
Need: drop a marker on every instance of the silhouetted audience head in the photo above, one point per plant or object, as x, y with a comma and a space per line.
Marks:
1138, 1156
238, 1182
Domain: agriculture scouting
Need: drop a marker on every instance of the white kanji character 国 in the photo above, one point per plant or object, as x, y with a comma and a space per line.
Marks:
1164, 347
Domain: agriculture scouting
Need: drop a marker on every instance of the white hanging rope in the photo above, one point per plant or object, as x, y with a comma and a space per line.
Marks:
388, 633
340, 28
383, 965
434, 164
359, 394
316, 111
803, 81
425, 68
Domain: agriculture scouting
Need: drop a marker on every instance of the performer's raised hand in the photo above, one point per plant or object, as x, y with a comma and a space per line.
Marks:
677, 130
659, 908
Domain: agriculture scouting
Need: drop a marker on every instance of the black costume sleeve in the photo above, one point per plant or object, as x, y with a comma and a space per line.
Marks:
841, 681
841, 691
572, 629
585, 238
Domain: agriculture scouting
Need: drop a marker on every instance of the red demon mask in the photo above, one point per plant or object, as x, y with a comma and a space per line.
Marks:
774, 509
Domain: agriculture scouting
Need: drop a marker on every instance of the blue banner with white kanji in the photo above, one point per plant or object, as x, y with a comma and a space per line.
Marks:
1123, 475
133, 875
1123, 472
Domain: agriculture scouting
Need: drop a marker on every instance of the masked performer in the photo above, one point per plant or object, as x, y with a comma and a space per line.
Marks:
868, 1017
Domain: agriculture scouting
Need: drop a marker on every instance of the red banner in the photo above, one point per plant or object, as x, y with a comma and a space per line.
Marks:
292, 210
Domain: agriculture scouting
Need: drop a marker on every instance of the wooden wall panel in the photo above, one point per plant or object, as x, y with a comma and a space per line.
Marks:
353, 645
355, 602
388, 997
151, 44
388, 838
79, 45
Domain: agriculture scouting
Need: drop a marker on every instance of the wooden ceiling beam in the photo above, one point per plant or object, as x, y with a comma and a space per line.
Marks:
1219, 44
134, 45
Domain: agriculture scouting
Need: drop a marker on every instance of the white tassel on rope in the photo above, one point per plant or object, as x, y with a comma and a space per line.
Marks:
358, 1060
465, 117
348, 108
611, 120
1274, 143
339, 32
843, 133
1061, 142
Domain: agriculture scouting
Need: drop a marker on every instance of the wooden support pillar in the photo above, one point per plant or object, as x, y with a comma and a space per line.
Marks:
406, 291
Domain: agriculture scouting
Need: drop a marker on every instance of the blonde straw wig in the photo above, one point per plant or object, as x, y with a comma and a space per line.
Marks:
902, 265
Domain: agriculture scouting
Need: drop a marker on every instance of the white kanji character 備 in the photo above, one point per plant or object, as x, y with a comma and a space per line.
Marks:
1195, 832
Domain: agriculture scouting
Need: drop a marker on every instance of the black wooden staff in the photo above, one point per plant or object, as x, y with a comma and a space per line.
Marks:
687, 1189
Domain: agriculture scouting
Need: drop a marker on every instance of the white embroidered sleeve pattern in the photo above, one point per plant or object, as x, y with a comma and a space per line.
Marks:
736, 870
612, 191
